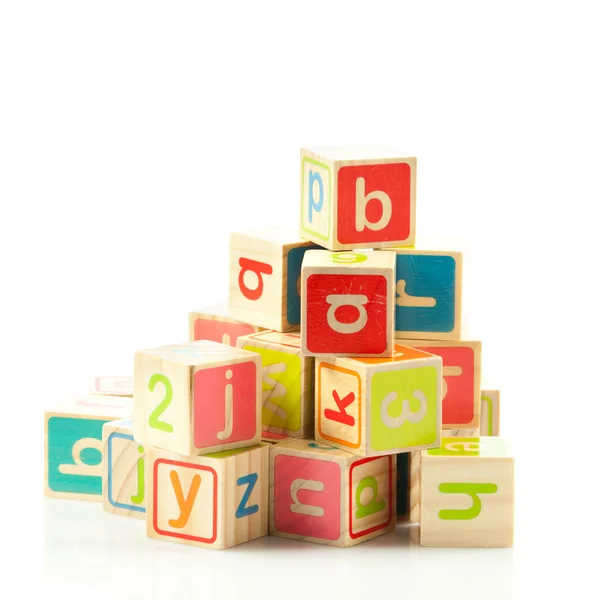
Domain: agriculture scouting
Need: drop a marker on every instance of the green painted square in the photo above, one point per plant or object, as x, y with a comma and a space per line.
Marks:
394, 401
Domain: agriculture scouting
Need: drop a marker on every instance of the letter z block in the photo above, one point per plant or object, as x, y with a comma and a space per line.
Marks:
287, 383
73, 445
466, 494
213, 501
264, 276
196, 398
357, 198
210, 324
325, 495
377, 406
347, 303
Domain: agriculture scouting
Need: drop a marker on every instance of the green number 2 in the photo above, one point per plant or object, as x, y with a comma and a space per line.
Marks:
154, 421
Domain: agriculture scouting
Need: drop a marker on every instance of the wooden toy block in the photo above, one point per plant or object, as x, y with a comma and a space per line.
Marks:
376, 406
198, 397
264, 276
462, 432
214, 324
428, 294
466, 495
269, 437
490, 412
111, 386
461, 389
73, 445
213, 501
287, 383
403, 486
124, 478
348, 303
357, 197
325, 495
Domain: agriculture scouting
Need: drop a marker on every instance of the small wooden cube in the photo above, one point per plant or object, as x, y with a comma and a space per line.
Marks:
213, 324
466, 495
124, 476
461, 389
264, 274
111, 386
287, 383
357, 197
197, 398
213, 501
490, 412
377, 406
348, 303
325, 495
73, 445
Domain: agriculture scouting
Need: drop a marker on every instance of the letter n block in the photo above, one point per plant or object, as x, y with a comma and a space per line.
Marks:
213, 501
287, 383
378, 406
466, 494
73, 461
196, 398
264, 277
325, 495
357, 198
347, 303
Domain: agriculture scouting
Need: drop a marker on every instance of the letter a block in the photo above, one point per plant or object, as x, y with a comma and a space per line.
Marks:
376, 406
325, 495
196, 398
213, 501
357, 198
466, 494
264, 274
287, 383
347, 303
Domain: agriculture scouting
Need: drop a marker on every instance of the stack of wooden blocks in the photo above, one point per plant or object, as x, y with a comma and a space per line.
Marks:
332, 399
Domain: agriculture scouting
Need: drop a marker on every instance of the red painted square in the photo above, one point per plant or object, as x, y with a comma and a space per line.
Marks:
307, 497
213, 390
375, 194
323, 333
220, 331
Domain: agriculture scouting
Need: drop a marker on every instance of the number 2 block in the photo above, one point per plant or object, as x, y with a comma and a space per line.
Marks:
197, 398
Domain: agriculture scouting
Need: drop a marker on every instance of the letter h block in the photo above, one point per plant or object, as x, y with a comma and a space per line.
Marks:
378, 406
322, 494
357, 198
197, 398
348, 303
463, 494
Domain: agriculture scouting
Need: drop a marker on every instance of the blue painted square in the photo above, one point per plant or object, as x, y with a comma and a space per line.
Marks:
110, 492
294, 267
426, 276
75, 455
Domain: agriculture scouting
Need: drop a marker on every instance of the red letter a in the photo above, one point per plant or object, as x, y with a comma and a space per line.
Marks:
258, 268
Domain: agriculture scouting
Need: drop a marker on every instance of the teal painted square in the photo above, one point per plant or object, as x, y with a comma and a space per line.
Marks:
432, 277
294, 267
402, 483
63, 434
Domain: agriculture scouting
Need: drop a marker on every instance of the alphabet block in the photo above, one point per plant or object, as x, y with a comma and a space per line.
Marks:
378, 406
357, 198
111, 386
213, 324
466, 495
287, 383
73, 445
325, 495
402, 486
196, 398
461, 389
347, 303
213, 501
428, 296
264, 274
490, 412
124, 480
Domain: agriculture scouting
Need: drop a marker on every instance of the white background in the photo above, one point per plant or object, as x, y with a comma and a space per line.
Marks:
135, 135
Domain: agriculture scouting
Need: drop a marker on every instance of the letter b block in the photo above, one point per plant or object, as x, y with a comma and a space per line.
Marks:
325, 495
347, 303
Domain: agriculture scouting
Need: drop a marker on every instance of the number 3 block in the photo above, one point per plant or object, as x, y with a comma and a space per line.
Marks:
376, 406
325, 495
347, 303
197, 397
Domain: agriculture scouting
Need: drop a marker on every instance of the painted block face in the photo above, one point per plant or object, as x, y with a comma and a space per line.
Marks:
467, 493
287, 383
357, 198
490, 413
347, 303
294, 270
374, 407
204, 326
197, 398
326, 495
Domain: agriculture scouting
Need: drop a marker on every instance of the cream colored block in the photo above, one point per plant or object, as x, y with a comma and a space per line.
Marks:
490, 412
111, 386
